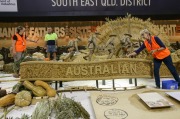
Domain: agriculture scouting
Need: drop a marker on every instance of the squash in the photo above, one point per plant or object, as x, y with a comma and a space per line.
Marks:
23, 98
7, 100
37, 90
50, 91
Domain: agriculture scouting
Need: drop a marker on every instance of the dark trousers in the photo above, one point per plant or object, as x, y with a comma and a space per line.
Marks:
18, 58
168, 62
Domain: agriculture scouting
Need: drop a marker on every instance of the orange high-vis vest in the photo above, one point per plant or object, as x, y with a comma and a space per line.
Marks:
158, 54
20, 43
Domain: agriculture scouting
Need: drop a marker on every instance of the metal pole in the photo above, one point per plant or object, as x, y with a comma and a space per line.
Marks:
113, 83
60, 84
97, 84
56, 83
130, 81
135, 81
103, 82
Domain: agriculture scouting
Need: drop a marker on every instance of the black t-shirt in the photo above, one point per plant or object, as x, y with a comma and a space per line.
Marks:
51, 42
15, 37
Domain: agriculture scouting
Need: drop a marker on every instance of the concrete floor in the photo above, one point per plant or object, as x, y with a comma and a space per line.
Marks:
7, 82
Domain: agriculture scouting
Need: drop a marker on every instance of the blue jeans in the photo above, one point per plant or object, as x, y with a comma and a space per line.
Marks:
168, 62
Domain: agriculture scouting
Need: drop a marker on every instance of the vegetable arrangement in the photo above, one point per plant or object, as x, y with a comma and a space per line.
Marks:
7, 100
50, 91
21, 93
60, 108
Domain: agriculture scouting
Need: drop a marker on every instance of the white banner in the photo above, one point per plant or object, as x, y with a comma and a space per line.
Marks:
8, 6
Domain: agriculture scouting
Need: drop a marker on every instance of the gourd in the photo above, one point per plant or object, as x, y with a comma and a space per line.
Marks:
18, 87
7, 100
23, 98
37, 90
50, 91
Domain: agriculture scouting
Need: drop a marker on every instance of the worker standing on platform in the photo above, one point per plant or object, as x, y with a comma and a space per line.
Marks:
160, 54
51, 43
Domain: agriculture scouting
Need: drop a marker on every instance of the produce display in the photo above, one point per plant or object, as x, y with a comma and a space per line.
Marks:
37, 90
23, 98
23, 92
55, 106
50, 91
7, 100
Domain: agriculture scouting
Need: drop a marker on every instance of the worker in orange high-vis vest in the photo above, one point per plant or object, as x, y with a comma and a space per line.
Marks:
18, 48
160, 54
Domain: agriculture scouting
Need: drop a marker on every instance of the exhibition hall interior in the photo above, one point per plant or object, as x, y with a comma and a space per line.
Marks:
89, 59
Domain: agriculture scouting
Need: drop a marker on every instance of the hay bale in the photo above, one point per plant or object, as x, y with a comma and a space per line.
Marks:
8, 68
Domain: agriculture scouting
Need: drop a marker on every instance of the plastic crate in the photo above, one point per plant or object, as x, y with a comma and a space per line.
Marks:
170, 84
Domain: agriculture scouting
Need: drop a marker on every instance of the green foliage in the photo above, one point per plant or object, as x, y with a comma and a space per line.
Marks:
63, 108
67, 108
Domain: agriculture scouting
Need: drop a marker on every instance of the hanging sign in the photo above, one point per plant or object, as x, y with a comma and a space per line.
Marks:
8, 6
90, 7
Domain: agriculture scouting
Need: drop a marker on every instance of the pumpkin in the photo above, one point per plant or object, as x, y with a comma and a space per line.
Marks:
7, 100
37, 90
23, 98
50, 91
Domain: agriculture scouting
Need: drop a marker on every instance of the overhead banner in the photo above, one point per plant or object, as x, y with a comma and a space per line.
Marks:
95, 7
8, 6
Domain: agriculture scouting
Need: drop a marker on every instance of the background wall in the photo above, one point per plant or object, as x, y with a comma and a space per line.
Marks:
68, 30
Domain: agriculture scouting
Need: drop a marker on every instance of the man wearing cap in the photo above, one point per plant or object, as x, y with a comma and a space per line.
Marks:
72, 48
125, 44
91, 46
110, 45
160, 54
